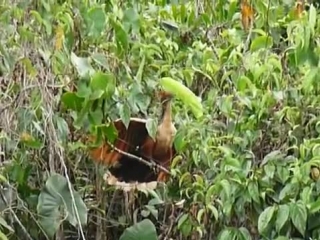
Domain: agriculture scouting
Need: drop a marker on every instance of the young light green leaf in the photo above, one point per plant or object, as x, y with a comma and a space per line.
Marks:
183, 93
261, 42
265, 218
312, 18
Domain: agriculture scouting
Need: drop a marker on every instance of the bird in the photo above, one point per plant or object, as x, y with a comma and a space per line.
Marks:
134, 151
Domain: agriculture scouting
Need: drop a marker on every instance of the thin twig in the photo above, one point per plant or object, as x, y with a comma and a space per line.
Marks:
150, 164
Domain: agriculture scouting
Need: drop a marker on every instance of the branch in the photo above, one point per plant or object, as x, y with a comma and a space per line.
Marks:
150, 163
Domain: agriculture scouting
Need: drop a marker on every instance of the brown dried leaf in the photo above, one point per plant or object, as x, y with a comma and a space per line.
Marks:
247, 13
59, 38
299, 8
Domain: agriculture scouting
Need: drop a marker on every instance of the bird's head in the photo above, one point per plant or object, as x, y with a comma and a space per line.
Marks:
164, 96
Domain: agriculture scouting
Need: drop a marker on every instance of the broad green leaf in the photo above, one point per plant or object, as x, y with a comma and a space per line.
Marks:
82, 65
226, 234
265, 218
103, 83
244, 234
98, 21
183, 93
298, 215
282, 216
144, 230
131, 18
99, 81
261, 42
72, 101
56, 197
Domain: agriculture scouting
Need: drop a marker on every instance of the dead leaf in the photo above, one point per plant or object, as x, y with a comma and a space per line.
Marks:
25, 137
247, 13
299, 8
59, 36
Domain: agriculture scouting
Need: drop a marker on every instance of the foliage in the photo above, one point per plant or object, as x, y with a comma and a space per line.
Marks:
248, 163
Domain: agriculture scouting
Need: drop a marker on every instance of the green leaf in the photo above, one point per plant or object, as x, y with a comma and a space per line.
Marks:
99, 81
184, 93
110, 132
261, 42
265, 218
312, 17
151, 126
244, 234
184, 225
131, 18
121, 37
314, 207
62, 128
282, 216
101, 60
104, 82
298, 215
98, 21
82, 65
56, 197
125, 114
226, 234
144, 230
5, 224
72, 101
254, 191
282, 238
3, 236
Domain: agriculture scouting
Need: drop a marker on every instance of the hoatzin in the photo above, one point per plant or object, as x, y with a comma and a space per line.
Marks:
136, 141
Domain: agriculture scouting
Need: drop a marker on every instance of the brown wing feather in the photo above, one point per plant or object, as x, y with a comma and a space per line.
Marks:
134, 140
127, 141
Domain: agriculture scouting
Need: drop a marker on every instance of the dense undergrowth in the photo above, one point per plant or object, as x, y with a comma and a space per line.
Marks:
248, 168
